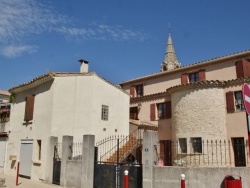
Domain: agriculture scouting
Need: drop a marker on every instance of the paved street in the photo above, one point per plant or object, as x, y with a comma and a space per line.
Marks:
24, 183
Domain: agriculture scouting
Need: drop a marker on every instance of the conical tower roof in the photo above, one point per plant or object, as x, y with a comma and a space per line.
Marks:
170, 60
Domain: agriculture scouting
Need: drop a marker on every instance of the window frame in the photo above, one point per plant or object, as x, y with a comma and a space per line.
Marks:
139, 90
239, 106
105, 113
196, 144
194, 77
162, 107
183, 145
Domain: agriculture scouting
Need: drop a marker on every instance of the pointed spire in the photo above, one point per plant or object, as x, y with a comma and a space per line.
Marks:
170, 61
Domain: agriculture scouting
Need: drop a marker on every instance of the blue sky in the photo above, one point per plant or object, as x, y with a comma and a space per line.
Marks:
120, 39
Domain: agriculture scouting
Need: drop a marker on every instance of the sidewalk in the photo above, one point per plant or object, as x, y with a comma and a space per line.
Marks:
10, 182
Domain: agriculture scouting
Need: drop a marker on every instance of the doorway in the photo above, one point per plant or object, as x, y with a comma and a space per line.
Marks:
239, 151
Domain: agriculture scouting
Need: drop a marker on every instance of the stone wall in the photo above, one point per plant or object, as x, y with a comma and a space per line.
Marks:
197, 177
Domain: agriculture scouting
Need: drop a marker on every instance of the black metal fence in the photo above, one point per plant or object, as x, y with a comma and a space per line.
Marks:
197, 152
111, 175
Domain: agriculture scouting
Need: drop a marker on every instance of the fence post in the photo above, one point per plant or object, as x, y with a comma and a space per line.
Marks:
17, 172
182, 180
126, 179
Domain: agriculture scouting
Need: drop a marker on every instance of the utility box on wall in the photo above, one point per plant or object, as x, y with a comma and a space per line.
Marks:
231, 182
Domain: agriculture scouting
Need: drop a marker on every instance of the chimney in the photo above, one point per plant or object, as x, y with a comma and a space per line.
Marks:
84, 67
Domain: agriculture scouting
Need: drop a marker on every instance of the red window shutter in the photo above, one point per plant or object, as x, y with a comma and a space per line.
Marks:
202, 75
152, 112
132, 91
230, 102
184, 78
239, 69
168, 110
246, 67
29, 108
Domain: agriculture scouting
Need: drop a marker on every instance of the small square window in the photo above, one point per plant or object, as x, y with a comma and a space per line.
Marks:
196, 144
105, 112
183, 145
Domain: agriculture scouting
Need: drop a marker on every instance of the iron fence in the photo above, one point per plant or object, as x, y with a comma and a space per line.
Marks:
206, 153
116, 148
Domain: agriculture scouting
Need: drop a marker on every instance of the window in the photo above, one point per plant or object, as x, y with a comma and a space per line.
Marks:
39, 147
234, 101
239, 105
196, 144
194, 77
29, 108
139, 90
105, 112
133, 113
4, 114
136, 90
162, 110
183, 145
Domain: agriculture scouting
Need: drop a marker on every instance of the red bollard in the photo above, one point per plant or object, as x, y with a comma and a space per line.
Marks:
182, 180
17, 173
126, 179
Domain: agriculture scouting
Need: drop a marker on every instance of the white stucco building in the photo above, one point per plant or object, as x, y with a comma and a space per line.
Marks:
57, 104
4, 126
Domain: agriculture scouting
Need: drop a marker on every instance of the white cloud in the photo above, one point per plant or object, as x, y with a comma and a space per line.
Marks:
21, 19
15, 51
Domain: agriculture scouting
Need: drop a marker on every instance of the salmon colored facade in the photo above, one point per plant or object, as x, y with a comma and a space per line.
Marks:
194, 105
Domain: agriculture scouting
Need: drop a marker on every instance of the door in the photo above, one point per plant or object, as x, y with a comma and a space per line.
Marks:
3, 141
239, 151
166, 152
26, 158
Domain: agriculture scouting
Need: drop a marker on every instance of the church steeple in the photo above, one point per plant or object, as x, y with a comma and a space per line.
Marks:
170, 62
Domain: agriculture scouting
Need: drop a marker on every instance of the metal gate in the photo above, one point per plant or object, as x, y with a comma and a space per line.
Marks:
56, 166
111, 175
117, 154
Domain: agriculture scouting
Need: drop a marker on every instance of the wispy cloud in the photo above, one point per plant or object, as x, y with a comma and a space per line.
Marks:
21, 19
102, 32
15, 51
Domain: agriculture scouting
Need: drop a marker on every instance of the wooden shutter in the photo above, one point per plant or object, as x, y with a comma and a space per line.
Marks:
152, 112
202, 75
230, 102
29, 108
168, 110
184, 78
132, 91
246, 68
239, 69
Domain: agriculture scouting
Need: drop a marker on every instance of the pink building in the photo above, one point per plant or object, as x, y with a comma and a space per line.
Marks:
197, 108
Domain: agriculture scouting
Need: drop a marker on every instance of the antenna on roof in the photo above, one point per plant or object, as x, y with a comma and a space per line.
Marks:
169, 28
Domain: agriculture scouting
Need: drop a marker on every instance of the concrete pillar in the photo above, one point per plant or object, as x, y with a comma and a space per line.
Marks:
88, 154
149, 157
66, 153
50, 155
